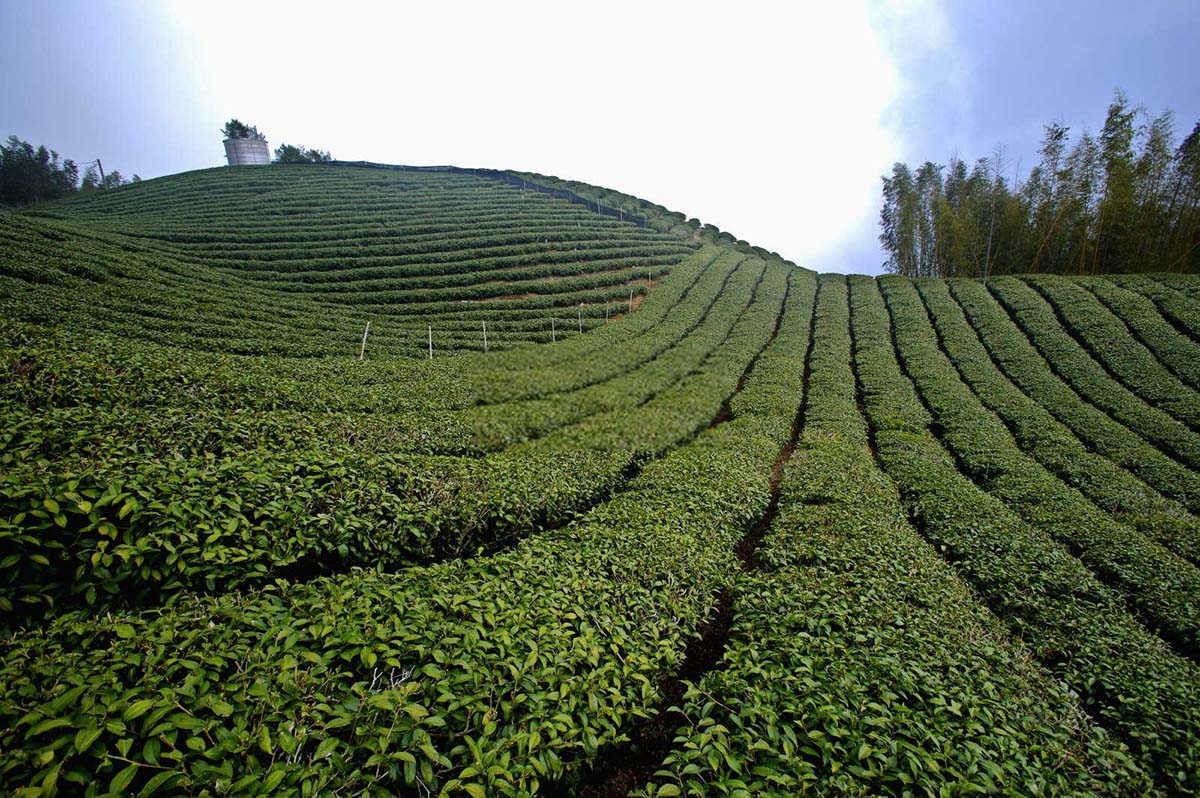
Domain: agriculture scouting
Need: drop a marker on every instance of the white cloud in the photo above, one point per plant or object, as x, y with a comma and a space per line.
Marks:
933, 68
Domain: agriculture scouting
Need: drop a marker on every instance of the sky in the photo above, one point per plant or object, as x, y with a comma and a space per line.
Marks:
773, 121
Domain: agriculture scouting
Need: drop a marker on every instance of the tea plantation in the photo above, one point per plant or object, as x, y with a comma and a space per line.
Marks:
697, 522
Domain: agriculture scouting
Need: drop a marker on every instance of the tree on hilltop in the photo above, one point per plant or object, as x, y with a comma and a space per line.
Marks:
290, 153
234, 129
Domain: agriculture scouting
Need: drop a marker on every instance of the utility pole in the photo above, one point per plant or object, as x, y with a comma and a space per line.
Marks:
363, 348
96, 161
485, 335
431, 342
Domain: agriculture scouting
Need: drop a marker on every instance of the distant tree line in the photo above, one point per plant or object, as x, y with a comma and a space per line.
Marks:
1125, 201
290, 153
29, 175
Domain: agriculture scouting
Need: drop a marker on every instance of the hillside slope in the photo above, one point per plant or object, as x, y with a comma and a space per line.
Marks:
773, 532
295, 260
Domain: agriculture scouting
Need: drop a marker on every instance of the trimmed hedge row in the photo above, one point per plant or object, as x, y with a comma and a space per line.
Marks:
1160, 586
515, 293
311, 332
426, 249
110, 264
350, 225
1127, 679
1036, 317
1109, 341
159, 431
1179, 308
1127, 499
1173, 349
1013, 353
857, 662
487, 676
57, 368
132, 530
1182, 283
345, 266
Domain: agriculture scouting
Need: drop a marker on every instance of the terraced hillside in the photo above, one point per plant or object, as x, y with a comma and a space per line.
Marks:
292, 260
774, 532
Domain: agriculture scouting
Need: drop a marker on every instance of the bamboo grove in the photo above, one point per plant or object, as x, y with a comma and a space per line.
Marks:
773, 532
1127, 200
